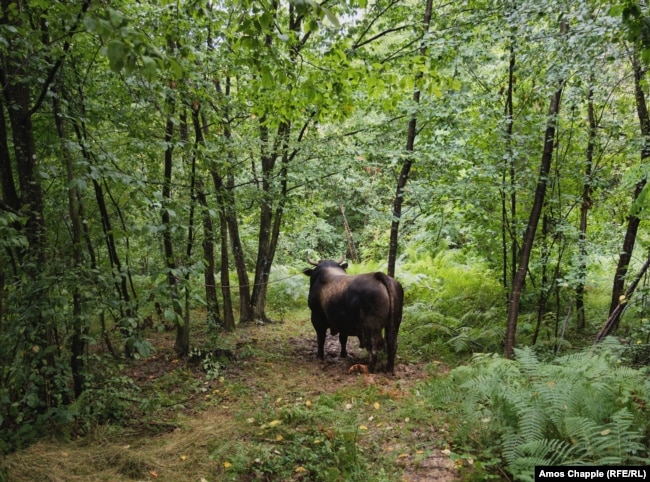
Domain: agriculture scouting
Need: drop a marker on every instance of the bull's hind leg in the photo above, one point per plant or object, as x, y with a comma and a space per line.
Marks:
391, 350
372, 352
320, 338
372, 345
343, 340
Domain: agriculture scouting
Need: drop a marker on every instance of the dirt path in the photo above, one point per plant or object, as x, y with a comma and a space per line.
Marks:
273, 367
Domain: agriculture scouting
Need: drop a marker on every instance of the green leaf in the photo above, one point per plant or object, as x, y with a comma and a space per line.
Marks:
150, 67
115, 54
331, 17
116, 17
640, 202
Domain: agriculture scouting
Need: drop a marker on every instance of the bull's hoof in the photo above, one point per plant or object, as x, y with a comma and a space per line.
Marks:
358, 368
344, 354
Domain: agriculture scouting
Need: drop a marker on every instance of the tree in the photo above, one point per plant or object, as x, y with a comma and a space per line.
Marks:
534, 216
410, 147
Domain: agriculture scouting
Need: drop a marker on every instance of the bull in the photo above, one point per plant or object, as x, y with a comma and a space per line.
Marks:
363, 305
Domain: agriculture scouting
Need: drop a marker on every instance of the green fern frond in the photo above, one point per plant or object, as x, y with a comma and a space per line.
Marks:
583, 408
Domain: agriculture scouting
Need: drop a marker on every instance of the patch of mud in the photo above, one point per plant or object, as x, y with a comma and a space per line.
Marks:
305, 348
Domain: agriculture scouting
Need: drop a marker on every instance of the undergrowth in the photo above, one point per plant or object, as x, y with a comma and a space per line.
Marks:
583, 408
316, 441
454, 306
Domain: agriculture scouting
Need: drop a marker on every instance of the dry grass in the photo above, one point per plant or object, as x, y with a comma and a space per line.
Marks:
181, 455
275, 368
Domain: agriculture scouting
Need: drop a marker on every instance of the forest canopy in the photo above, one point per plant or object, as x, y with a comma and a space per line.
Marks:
171, 164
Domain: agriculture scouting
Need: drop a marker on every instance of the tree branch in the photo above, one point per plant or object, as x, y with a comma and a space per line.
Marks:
59, 62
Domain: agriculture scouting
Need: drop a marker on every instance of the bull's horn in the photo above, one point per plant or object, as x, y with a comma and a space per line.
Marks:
311, 261
341, 260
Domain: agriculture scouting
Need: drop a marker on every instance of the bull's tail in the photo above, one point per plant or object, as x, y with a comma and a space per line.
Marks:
395, 302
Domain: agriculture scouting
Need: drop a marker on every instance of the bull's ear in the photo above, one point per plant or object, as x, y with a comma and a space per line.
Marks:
308, 271
344, 265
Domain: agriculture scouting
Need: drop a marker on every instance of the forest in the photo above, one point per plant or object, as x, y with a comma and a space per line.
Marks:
167, 168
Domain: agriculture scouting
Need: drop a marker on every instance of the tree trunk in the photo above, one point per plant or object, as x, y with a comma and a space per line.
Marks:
533, 221
181, 345
79, 328
212, 302
230, 214
410, 147
614, 317
7, 183
352, 250
227, 209
587, 190
228, 315
508, 219
633, 221
264, 258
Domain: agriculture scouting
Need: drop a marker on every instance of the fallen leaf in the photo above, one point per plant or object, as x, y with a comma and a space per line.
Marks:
308, 403
183, 457
363, 427
279, 438
301, 470
376, 405
153, 473
227, 465
275, 423
358, 369
403, 456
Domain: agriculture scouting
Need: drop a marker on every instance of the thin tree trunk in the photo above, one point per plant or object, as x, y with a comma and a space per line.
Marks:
245, 311
587, 190
227, 209
228, 314
544, 290
410, 147
264, 260
352, 250
79, 328
615, 316
7, 183
508, 219
214, 318
633, 221
182, 343
533, 221
179, 346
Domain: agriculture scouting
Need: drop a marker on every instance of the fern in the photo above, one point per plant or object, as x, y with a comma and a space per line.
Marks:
582, 408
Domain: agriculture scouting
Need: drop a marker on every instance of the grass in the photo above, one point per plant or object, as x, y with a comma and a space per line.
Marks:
274, 413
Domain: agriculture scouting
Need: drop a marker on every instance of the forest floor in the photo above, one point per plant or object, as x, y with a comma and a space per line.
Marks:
268, 414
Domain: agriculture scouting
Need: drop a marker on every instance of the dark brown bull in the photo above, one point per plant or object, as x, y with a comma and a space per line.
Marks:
360, 305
